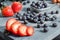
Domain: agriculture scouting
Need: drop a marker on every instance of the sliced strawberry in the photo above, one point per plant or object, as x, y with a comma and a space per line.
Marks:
30, 31
22, 30
14, 27
9, 23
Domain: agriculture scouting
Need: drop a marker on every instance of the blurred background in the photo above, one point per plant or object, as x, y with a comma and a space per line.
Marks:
17, 0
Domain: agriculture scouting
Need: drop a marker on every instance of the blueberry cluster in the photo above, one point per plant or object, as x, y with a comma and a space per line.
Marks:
39, 5
25, 2
40, 19
56, 12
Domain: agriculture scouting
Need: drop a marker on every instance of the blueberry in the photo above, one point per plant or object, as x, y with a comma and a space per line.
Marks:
52, 12
46, 18
35, 20
45, 5
41, 22
44, 26
33, 4
42, 6
20, 18
45, 13
37, 4
23, 0
56, 12
38, 26
17, 16
31, 18
52, 19
24, 14
45, 30
31, 15
24, 3
28, 1
28, 17
54, 25
28, 9
40, 15
39, 19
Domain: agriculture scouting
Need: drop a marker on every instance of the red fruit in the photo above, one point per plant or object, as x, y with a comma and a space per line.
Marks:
16, 6
9, 23
30, 31
14, 27
7, 11
22, 30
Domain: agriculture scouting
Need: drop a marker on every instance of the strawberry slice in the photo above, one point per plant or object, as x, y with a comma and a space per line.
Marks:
22, 30
14, 27
9, 23
30, 31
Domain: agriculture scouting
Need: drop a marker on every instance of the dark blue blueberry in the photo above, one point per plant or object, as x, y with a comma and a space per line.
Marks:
23, 0
46, 18
24, 14
44, 26
28, 1
24, 3
54, 25
45, 30
52, 12
45, 13
37, 4
41, 22
56, 12
17, 15
28, 9
33, 2
45, 5
20, 18
35, 20
38, 26
52, 19
39, 19
40, 15
28, 17
42, 6
31, 15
